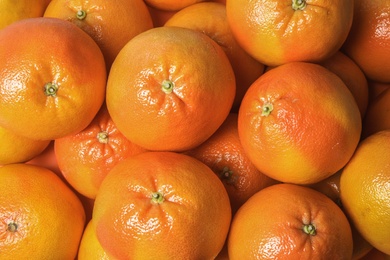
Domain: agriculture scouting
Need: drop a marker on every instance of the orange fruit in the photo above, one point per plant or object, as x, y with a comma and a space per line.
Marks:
369, 39
15, 148
41, 218
331, 188
88, 204
377, 116
276, 32
85, 158
224, 154
53, 82
163, 86
210, 18
375, 254
47, 159
365, 190
90, 247
162, 205
299, 123
12, 11
171, 5
353, 77
159, 17
223, 254
375, 89
288, 221
110, 23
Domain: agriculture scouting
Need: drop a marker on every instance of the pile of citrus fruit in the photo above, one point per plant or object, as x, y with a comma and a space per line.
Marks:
225, 129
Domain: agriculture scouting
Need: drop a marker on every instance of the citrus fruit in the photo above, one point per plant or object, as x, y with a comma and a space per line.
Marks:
15, 148
52, 83
210, 18
85, 158
12, 11
375, 254
48, 160
163, 86
159, 17
276, 32
377, 116
171, 5
299, 123
353, 77
110, 23
288, 221
365, 190
161, 205
223, 254
224, 154
40, 218
375, 89
369, 39
331, 188
90, 247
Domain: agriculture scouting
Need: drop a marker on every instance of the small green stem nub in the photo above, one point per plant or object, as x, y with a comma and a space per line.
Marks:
309, 229
267, 109
227, 175
81, 14
298, 4
51, 89
102, 137
12, 227
167, 86
157, 197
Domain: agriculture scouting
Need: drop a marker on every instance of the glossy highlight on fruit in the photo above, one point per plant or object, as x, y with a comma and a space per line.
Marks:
277, 32
299, 123
160, 98
289, 221
162, 205
52, 83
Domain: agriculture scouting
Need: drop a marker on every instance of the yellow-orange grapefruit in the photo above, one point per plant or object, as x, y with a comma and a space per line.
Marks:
288, 221
52, 83
365, 190
40, 217
299, 123
110, 23
15, 148
368, 42
12, 11
170, 88
210, 18
276, 32
162, 205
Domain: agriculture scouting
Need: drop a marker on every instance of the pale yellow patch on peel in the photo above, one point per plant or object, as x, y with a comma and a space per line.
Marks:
312, 130
285, 164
